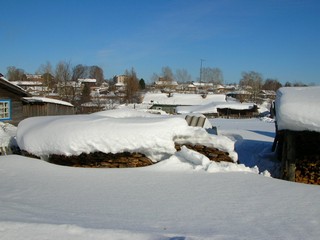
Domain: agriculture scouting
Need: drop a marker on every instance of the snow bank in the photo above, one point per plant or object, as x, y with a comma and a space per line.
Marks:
213, 107
7, 134
298, 109
182, 99
187, 159
113, 132
46, 201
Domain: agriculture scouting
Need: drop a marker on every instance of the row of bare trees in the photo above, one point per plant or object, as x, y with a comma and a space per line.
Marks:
208, 75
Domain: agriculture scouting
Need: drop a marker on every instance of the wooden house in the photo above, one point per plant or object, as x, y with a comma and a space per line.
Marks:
241, 95
40, 106
11, 106
234, 112
297, 140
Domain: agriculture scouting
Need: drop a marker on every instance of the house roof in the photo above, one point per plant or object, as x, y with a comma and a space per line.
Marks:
6, 84
297, 108
267, 92
182, 99
46, 100
87, 80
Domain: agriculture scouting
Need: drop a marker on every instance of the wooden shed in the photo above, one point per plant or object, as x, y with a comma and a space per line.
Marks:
230, 112
11, 107
41, 106
297, 139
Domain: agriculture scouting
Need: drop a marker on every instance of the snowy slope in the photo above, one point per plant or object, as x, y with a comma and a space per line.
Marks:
176, 199
44, 201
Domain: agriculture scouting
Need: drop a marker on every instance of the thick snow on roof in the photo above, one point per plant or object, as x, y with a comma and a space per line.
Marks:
298, 108
15, 85
213, 106
182, 99
47, 100
113, 132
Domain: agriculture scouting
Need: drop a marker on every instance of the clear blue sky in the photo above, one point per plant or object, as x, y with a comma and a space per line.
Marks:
277, 38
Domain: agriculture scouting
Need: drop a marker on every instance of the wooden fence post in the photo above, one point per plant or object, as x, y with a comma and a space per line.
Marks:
291, 156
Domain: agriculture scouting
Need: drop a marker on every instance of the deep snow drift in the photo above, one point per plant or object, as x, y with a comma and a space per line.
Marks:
112, 132
180, 198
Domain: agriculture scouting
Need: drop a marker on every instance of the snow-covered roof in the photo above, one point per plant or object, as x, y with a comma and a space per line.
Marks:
267, 92
182, 99
14, 86
298, 108
87, 80
213, 107
171, 83
240, 92
203, 84
47, 100
27, 83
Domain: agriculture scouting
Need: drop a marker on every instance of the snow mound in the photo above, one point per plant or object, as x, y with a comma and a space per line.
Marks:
7, 134
113, 132
188, 159
297, 108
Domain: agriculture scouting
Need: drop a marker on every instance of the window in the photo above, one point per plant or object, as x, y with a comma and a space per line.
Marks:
5, 109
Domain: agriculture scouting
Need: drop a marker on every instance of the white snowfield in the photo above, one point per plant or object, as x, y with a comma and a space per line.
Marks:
183, 197
298, 108
113, 132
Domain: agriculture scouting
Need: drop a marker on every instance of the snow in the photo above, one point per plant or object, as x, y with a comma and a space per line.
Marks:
182, 197
213, 107
47, 100
182, 99
44, 201
7, 134
298, 109
153, 136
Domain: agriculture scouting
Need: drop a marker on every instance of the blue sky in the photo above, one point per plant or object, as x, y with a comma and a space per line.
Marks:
276, 38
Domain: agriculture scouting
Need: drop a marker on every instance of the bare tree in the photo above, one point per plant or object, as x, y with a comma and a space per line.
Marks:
79, 71
252, 79
132, 86
97, 73
212, 75
63, 77
15, 74
271, 84
154, 77
182, 75
167, 74
47, 74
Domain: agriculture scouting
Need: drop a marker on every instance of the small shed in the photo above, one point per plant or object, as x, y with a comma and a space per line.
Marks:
297, 141
234, 112
41, 106
10, 101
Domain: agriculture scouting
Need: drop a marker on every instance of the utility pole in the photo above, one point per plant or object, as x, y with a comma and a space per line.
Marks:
201, 60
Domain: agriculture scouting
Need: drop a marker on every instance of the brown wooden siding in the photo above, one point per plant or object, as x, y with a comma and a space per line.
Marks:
16, 106
46, 109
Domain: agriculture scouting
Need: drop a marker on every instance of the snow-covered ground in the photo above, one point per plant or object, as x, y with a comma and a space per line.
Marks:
179, 198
